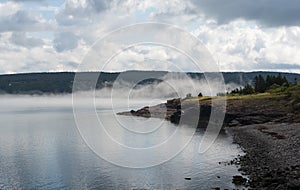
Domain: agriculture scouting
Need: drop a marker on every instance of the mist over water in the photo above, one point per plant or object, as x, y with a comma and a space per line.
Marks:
39, 140
171, 86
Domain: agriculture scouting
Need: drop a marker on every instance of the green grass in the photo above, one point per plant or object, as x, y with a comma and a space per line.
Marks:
250, 96
233, 97
281, 91
292, 92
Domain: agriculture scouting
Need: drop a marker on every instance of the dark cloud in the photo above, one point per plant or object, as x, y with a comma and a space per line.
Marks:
267, 12
65, 41
21, 39
21, 21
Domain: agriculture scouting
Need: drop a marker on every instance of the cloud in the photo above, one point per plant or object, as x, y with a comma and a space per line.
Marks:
15, 58
241, 45
65, 41
267, 12
28, 0
20, 60
8, 8
241, 35
76, 12
23, 21
21, 39
275, 66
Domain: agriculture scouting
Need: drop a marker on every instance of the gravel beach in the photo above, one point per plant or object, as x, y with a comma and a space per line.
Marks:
272, 159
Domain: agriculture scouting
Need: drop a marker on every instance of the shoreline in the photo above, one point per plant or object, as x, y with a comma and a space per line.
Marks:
272, 153
265, 126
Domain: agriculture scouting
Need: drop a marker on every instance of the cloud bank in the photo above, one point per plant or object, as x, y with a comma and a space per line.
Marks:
267, 12
241, 35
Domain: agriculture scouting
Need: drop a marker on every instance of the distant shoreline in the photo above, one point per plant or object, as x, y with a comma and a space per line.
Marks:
62, 82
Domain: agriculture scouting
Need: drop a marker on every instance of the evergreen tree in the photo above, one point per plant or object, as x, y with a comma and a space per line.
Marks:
259, 84
285, 82
269, 81
279, 79
248, 89
235, 91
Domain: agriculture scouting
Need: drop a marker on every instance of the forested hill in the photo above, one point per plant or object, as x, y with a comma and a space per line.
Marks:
62, 82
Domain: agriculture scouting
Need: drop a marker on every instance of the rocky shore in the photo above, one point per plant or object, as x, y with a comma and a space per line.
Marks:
239, 111
272, 155
267, 127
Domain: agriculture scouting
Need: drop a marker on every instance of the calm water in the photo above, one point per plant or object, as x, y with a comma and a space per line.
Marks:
40, 148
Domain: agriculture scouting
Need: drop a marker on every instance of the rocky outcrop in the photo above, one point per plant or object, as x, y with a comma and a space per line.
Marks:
174, 109
239, 112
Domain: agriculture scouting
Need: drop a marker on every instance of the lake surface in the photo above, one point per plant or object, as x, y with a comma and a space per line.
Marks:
41, 148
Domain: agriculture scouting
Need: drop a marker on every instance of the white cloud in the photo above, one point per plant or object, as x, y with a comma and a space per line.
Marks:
151, 57
8, 8
239, 42
241, 45
15, 58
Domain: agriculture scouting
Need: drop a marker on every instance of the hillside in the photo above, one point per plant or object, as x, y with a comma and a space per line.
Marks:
56, 83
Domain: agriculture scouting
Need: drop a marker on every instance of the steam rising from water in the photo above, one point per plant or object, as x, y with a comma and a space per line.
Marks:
172, 86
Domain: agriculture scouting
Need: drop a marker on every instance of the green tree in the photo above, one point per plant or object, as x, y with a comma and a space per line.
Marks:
259, 84
278, 79
269, 81
248, 89
285, 82
235, 91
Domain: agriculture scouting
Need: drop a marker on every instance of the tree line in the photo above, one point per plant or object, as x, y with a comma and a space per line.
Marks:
261, 84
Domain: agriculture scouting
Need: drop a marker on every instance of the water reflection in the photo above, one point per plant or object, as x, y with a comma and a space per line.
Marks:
42, 149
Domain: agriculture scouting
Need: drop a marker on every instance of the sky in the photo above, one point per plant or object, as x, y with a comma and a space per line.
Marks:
241, 35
